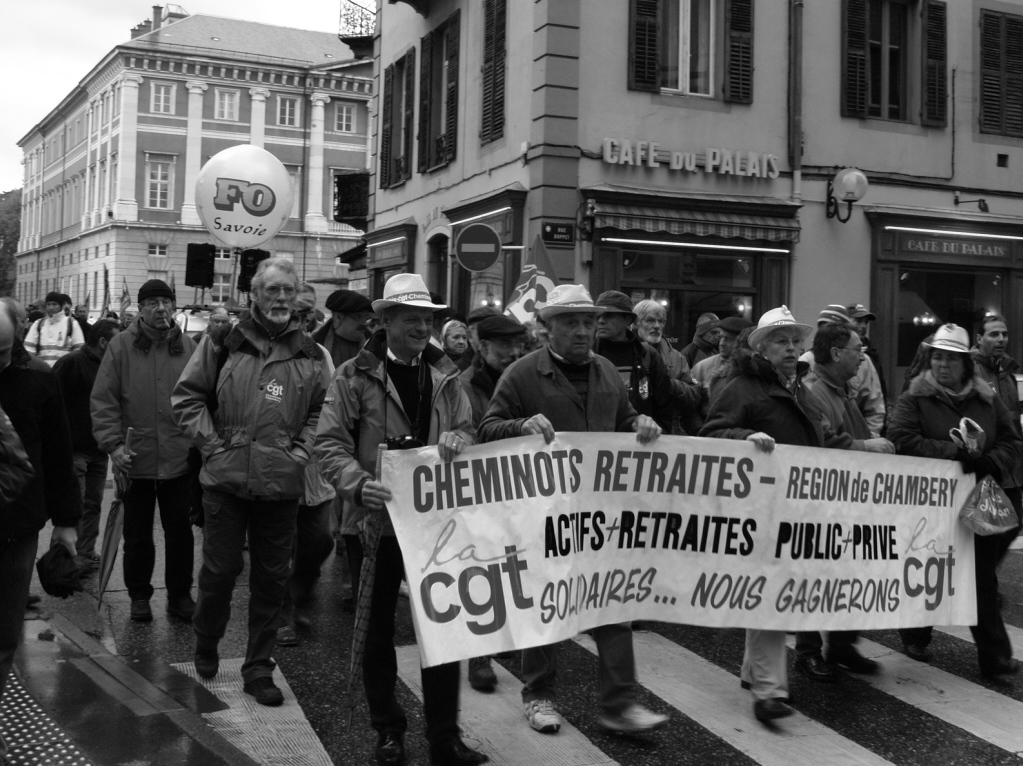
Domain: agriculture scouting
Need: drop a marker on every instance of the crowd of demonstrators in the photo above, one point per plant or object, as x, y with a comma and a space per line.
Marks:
651, 319
76, 372
401, 392
947, 390
567, 387
132, 390
56, 334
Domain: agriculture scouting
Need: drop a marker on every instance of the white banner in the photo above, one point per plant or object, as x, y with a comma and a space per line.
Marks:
519, 543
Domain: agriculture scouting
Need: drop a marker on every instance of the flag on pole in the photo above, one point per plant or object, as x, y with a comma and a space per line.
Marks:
536, 280
106, 294
174, 291
88, 300
125, 298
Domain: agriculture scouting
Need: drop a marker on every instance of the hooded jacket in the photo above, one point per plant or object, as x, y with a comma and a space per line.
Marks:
754, 399
268, 395
925, 413
30, 396
1000, 374
364, 409
133, 389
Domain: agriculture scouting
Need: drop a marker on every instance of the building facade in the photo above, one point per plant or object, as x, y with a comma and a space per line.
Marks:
682, 150
110, 172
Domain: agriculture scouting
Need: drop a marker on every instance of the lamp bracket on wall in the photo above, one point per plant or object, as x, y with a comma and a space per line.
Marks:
981, 202
850, 185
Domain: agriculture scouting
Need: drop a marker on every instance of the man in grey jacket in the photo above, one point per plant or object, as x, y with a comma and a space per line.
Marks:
251, 408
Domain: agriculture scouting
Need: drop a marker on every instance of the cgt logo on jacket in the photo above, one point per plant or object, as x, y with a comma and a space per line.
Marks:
274, 391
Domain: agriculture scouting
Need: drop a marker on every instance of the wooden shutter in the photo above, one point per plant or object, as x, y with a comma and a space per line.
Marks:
492, 112
410, 92
934, 65
386, 129
425, 89
990, 72
738, 84
1012, 105
451, 32
644, 55
855, 62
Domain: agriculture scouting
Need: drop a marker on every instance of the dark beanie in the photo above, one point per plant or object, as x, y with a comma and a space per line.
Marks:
155, 288
499, 326
348, 302
53, 297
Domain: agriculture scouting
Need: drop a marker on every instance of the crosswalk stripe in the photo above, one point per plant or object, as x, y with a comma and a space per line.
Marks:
495, 722
979, 711
712, 698
963, 632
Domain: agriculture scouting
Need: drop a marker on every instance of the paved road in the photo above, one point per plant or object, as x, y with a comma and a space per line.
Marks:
113, 691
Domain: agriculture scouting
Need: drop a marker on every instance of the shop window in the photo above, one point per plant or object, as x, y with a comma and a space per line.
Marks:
1001, 73
672, 47
438, 95
492, 116
877, 41
396, 122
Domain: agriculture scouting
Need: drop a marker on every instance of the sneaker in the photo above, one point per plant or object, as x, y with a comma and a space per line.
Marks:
265, 691
634, 718
542, 716
481, 675
207, 662
140, 611
181, 608
286, 636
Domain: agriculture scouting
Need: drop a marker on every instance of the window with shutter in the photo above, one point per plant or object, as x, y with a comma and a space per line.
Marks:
405, 168
386, 129
1001, 73
738, 84
644, 61
854, 58
934, 64
492, 113
438, 95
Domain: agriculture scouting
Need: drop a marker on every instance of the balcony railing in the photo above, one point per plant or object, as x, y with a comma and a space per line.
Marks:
357, 19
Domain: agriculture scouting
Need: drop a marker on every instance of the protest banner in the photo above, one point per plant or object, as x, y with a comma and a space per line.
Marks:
519, 543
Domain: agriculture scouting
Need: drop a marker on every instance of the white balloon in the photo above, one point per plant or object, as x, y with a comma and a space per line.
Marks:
244, 196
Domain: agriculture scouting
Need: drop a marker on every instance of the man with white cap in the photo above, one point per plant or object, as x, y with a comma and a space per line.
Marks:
767, 403
566, 387
402, 392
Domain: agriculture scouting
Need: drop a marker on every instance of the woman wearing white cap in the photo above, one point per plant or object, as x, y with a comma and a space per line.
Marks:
766, 402
938, 398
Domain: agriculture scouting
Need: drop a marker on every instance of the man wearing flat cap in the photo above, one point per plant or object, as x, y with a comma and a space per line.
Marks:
402, 392
56, 334
565, 386
133, 390
344, 335
863, 317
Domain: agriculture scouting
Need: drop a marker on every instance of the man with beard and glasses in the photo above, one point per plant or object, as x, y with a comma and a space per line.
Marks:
132, 390
251, 408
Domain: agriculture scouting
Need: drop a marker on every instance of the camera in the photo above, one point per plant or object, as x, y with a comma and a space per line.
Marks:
403, 442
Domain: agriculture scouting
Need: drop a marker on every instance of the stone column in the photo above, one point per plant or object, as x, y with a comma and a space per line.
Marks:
314, 218
258, 130
86, 200
126, 207
193, 151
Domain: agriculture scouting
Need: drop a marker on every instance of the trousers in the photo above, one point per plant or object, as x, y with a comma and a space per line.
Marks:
17, 555
140, 502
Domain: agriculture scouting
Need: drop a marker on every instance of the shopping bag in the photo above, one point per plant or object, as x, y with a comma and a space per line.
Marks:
987, 511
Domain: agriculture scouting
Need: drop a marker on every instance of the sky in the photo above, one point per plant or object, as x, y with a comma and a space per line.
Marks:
48, 46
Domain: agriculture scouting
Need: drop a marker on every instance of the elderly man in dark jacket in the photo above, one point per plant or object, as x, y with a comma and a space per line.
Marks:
30, 395
566, 387
132, 390
345, 334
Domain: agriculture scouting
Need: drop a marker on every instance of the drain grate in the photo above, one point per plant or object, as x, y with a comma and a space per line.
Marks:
32, 738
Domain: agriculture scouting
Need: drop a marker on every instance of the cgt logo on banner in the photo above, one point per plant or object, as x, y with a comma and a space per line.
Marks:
518, 543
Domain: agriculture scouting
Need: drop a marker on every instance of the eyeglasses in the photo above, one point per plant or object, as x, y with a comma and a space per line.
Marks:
152, 303
274, 290
857, 349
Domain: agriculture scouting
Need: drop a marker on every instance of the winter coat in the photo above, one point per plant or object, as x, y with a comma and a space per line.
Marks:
268, 394
76, 373
685, 391
698, 350
837, 402
478, 383
1000, 375
340, 350
15, 468
30, 395
867, 386
353, 422
133, 389
534, 385
649, 385
754, 400
924, 414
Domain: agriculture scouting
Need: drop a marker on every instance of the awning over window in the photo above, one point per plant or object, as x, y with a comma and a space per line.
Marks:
699, 223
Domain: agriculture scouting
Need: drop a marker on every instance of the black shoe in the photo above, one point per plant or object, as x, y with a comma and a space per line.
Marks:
391, 749
454, 752
481, 675
815, 668
917, 652
769, 709
265, 691
207, 662
747, 686
1009, 667
181, 608
850, 659
140, 611
286, 636
32, 601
